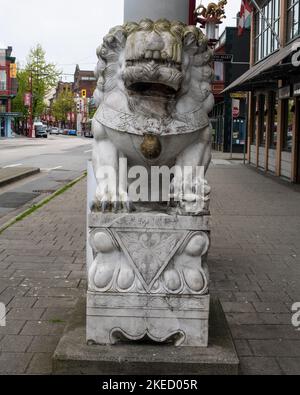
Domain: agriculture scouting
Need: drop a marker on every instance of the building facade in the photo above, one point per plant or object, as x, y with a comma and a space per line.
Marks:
8, 90
84, 86
84, 80
274, 85
229, 127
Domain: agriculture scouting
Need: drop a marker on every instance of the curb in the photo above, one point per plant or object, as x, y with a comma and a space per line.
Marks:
21, 176
42, 203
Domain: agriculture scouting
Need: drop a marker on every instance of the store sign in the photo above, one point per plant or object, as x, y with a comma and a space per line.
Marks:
235, 108
225, 58
238, 95
285, 92
297, 89
13, 70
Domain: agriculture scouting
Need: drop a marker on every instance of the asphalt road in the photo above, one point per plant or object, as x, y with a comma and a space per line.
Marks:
60, 158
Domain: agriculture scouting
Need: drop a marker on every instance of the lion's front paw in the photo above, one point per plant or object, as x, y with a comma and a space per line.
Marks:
107, 201
192, 201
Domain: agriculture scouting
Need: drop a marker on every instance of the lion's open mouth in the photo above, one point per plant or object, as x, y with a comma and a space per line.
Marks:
155, 77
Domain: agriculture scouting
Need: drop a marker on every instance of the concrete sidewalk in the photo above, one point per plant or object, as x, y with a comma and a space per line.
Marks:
12, 174
254, 264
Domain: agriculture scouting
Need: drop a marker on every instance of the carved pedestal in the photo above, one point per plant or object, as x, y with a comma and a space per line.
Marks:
148, 279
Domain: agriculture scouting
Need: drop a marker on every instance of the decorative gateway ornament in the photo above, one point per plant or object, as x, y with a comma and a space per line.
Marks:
147, 270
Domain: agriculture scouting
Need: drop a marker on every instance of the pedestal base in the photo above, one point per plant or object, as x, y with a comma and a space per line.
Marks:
180, 320
74, 356
148, 278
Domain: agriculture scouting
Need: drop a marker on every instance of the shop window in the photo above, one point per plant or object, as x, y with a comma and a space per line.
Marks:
293, 19
265, 40
289, 113
2, 80
274, 120
263, 119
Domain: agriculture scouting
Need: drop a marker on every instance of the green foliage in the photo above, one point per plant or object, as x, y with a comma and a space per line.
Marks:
44, 77
63, 105
23, 87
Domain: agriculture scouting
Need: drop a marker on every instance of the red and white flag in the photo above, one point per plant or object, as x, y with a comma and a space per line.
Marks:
245, 16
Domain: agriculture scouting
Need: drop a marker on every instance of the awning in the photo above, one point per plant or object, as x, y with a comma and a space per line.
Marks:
265, 72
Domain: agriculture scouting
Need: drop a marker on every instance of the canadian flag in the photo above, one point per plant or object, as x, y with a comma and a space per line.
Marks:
245, 16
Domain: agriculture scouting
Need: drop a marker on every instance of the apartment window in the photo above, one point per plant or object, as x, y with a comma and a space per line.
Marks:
289, 112
219, 71
274, 120
265, 40
293, 19
263, 119
2, 80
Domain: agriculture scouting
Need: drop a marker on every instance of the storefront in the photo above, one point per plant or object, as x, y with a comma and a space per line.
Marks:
8, 90
273, 115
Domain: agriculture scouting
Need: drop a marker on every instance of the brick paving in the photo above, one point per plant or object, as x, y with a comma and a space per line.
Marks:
254, 263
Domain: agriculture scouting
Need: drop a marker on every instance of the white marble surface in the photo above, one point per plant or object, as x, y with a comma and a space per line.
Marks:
154, 83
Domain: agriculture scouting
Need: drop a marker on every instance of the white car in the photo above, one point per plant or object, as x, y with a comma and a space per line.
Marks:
54, 131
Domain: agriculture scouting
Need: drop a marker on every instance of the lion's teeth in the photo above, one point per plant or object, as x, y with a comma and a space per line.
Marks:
149, 54
156, 55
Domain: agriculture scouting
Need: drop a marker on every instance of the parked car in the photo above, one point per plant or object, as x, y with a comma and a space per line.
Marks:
65, 132
39, 130
54, 131
72, 132
88, 134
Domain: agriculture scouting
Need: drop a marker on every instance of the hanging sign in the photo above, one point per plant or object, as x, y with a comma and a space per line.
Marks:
297, 89
285, 92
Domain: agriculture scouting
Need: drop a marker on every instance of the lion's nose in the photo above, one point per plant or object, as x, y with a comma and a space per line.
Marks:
154, 42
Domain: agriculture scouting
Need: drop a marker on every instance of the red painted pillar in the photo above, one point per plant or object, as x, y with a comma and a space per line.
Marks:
192, 7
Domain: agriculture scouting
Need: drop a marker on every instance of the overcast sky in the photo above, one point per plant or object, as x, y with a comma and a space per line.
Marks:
68, 30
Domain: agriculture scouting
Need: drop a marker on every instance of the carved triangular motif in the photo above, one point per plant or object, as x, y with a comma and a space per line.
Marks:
150, 251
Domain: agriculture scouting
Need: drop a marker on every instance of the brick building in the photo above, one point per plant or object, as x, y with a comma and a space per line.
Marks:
84, 80
8, 90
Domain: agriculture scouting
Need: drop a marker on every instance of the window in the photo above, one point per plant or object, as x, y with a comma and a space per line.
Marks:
274, 120
265, 40
263, 119
289, 111
2, 106
293, 19
219, 71
2, 80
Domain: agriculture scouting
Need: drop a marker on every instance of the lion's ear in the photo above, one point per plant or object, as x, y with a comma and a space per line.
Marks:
189, 39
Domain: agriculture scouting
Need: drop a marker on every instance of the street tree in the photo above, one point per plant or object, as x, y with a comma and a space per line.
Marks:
38, 77
63, 105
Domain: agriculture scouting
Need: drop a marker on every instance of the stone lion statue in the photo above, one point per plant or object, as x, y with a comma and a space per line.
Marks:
153, 97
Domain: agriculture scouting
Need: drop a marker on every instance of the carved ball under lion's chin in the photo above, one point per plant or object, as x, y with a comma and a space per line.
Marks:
153, 96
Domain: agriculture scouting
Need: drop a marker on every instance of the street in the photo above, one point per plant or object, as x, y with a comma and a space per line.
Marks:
60, 158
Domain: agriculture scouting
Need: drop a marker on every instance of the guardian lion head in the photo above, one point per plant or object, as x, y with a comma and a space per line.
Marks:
157, 68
